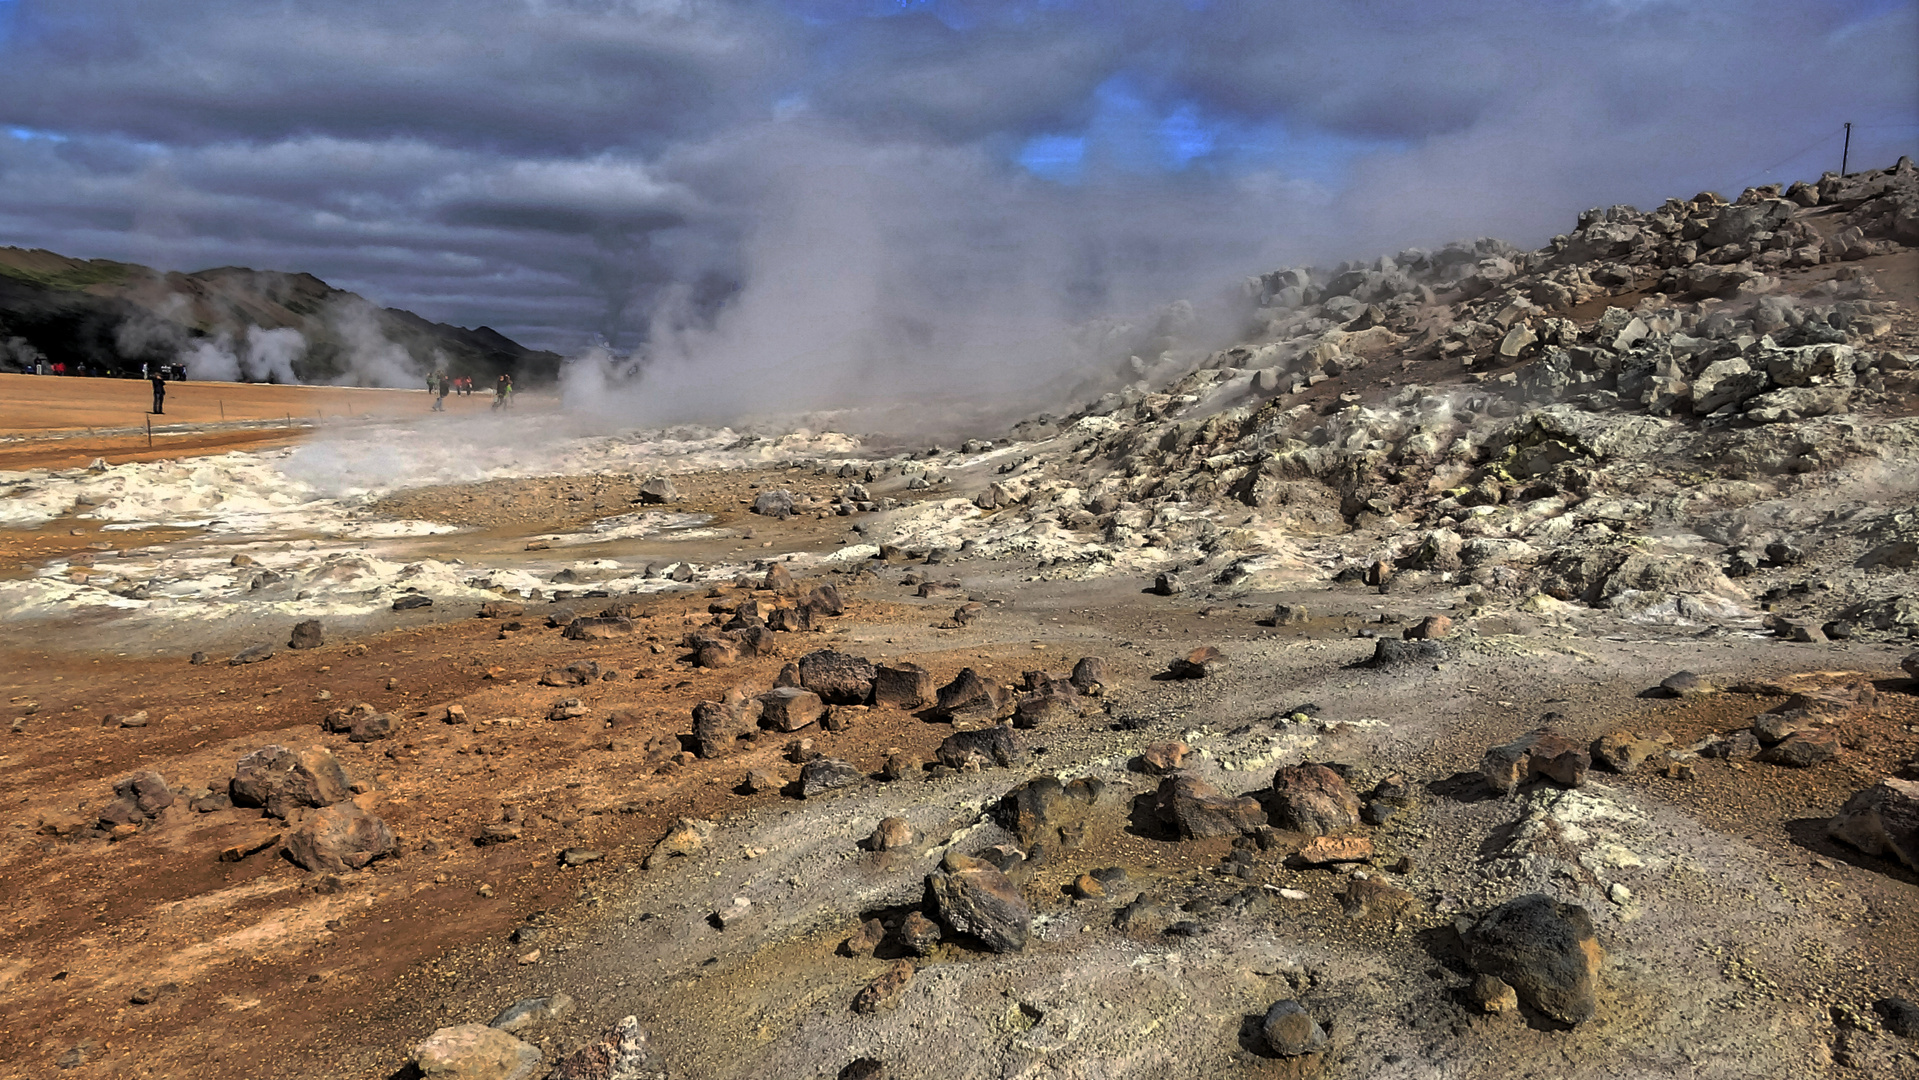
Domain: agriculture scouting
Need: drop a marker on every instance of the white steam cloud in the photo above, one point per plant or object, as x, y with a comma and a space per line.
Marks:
257, 356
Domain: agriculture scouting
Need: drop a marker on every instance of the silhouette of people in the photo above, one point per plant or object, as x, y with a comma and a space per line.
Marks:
159, 394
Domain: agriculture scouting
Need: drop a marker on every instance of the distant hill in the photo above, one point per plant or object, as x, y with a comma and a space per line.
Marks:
232, 322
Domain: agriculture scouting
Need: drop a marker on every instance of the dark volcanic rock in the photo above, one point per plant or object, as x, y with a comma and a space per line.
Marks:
307, 635
1882, 820
1804, 749
717, 725
1546, 950
1538, 753
359, 723
821, 775
1196, 810
969, 697
278, 780
1313, 799
981, 747
1290, 1031
902, 685
1044, 811
1391, 653
789, 708
974, 898
838, 678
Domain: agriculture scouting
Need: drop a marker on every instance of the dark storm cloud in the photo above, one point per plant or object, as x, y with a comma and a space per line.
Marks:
819, 197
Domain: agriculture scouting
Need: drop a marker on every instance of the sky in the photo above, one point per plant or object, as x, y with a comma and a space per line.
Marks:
811, 198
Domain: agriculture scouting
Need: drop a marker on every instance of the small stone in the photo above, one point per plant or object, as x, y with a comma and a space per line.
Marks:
1290, 1031
892, 834
919, 934
1088, 887
1162, 758
476, 1052
579, 856
1429, 628
883, 994
1619, 894
307, 634
732, 913
1900, 1016
1326, 850
1491, 994
863, 941
530, 1013
687, 837
1685, 684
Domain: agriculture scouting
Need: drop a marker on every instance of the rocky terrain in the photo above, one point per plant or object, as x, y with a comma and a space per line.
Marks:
1501, 663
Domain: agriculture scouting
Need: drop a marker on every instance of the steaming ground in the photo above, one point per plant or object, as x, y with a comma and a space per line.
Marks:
1587, 574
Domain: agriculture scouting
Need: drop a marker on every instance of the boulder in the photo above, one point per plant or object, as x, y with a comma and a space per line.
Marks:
1168, 584
778, 579
1804, 749
823, 774
1882, 820
339, 838
359, 723
838, 678
477, 1052
622, 1052
1685, 684
1430, 627
979, 748
278, 780
1390, 653
717, 725
774, 504
1540, 753
1195, 810
974, 898
1547, 951
902, 685
1313, 799
789, 708
657, 490
137, 798
1089, 675
1045, 812
824, 600
307, 634
1290, 1031
969, 697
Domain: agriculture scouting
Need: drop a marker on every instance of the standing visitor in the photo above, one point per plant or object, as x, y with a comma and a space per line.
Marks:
159, 394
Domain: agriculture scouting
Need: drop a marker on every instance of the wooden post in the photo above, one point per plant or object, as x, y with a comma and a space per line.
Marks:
223, 410
1846, 152
149, 432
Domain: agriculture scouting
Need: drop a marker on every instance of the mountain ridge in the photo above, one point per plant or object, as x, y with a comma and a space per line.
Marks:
115, 316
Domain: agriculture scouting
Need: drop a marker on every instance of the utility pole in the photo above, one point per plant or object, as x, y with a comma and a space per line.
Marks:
1846, 152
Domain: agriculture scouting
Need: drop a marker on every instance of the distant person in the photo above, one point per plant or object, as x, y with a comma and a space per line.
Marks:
439, 403
159, 394
499, 393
